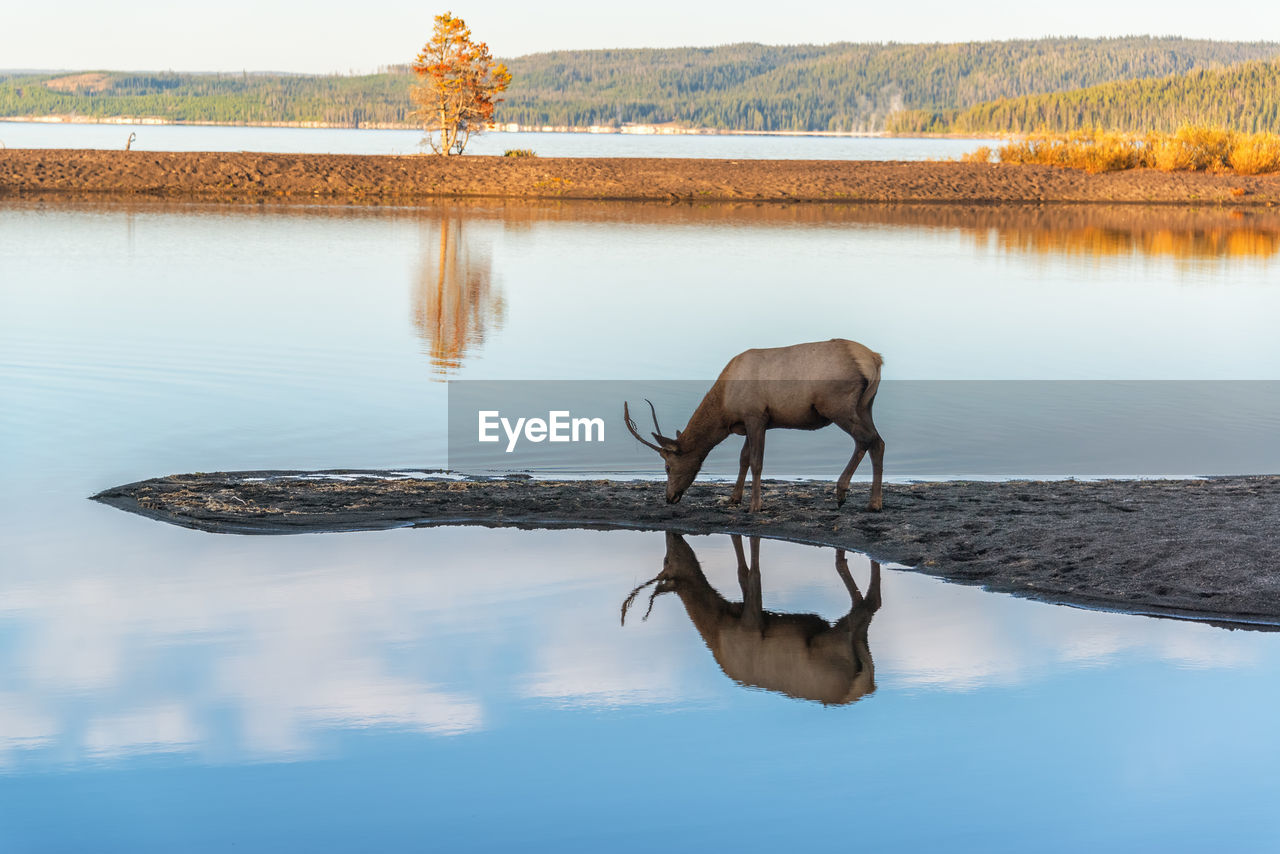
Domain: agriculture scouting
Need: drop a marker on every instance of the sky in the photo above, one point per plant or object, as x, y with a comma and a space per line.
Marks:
269, 35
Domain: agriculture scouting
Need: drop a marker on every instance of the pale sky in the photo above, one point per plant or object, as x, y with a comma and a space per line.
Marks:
327, 36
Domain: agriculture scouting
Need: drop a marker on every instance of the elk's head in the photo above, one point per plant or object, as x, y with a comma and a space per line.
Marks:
679, 563
682, 466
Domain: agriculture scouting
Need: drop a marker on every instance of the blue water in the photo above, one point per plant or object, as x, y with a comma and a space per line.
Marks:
163, 689
457, 688
358, 141
143, 340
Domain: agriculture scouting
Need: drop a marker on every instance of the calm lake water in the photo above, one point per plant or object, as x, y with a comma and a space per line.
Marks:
355, 141
163, 689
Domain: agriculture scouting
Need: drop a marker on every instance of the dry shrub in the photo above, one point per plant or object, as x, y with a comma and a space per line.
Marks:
1168, 154
981, 154
1092, 151
1020, 151
1210, 146
1108, 152
1255, 154
1191, 149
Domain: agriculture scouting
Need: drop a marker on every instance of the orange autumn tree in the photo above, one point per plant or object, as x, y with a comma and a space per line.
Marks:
460, 84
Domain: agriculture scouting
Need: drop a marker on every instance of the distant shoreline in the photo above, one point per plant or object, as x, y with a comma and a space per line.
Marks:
628, 130
227, 176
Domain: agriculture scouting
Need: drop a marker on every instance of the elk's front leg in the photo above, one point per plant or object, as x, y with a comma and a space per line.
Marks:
749, 582
842, 569
744, 460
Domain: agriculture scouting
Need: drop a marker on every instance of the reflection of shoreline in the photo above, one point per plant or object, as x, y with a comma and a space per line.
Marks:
638, 129
455, 303
1164, 231
1183, 245
1181, 235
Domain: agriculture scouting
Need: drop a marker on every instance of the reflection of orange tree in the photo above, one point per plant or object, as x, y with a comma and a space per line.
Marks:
455, 303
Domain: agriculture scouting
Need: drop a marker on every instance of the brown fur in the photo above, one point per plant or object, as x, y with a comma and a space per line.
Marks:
800, 655
801, 387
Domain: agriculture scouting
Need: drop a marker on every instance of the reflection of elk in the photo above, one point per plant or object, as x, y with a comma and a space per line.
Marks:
800, 655
802, 387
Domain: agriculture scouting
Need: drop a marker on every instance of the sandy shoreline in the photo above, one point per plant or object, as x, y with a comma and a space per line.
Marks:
1199, 549
231, 175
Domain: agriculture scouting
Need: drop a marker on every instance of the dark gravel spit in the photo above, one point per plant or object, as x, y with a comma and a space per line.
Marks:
1198, 549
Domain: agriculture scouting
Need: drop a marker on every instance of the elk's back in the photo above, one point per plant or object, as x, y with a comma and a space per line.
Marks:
790, 383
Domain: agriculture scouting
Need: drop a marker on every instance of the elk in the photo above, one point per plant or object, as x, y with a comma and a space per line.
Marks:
799, 655
801, 387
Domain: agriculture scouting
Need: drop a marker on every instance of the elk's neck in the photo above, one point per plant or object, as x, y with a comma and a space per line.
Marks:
702, 602
707, 426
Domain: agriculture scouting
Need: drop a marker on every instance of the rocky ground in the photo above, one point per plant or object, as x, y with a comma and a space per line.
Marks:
1205, 549
225, 175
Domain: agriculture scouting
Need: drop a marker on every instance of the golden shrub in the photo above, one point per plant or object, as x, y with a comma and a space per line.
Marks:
1192, 148
1092, 151
1255, 154
1168, 154
1207, 148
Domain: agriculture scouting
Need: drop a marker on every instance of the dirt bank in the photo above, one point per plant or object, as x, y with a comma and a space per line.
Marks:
405, 178
1205, 549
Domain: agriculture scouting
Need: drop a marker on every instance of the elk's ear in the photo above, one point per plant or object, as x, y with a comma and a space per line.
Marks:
669, 445
679, 435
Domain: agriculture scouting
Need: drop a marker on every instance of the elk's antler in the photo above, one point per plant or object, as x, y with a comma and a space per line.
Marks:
657, 430
631, 425
666, 442
658, 590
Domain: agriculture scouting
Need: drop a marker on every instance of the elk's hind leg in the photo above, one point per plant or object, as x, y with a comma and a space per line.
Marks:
842, 569
877, 467
755, 438
842, 485
865, 439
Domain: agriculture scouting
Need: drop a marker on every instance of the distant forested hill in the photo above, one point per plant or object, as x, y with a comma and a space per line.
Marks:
1243, 97
832, 87
840, 87
231, 98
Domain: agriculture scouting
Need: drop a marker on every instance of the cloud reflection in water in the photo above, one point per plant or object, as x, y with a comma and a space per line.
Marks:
248, 649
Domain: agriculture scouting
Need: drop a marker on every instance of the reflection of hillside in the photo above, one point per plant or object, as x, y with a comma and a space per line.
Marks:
455, 302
